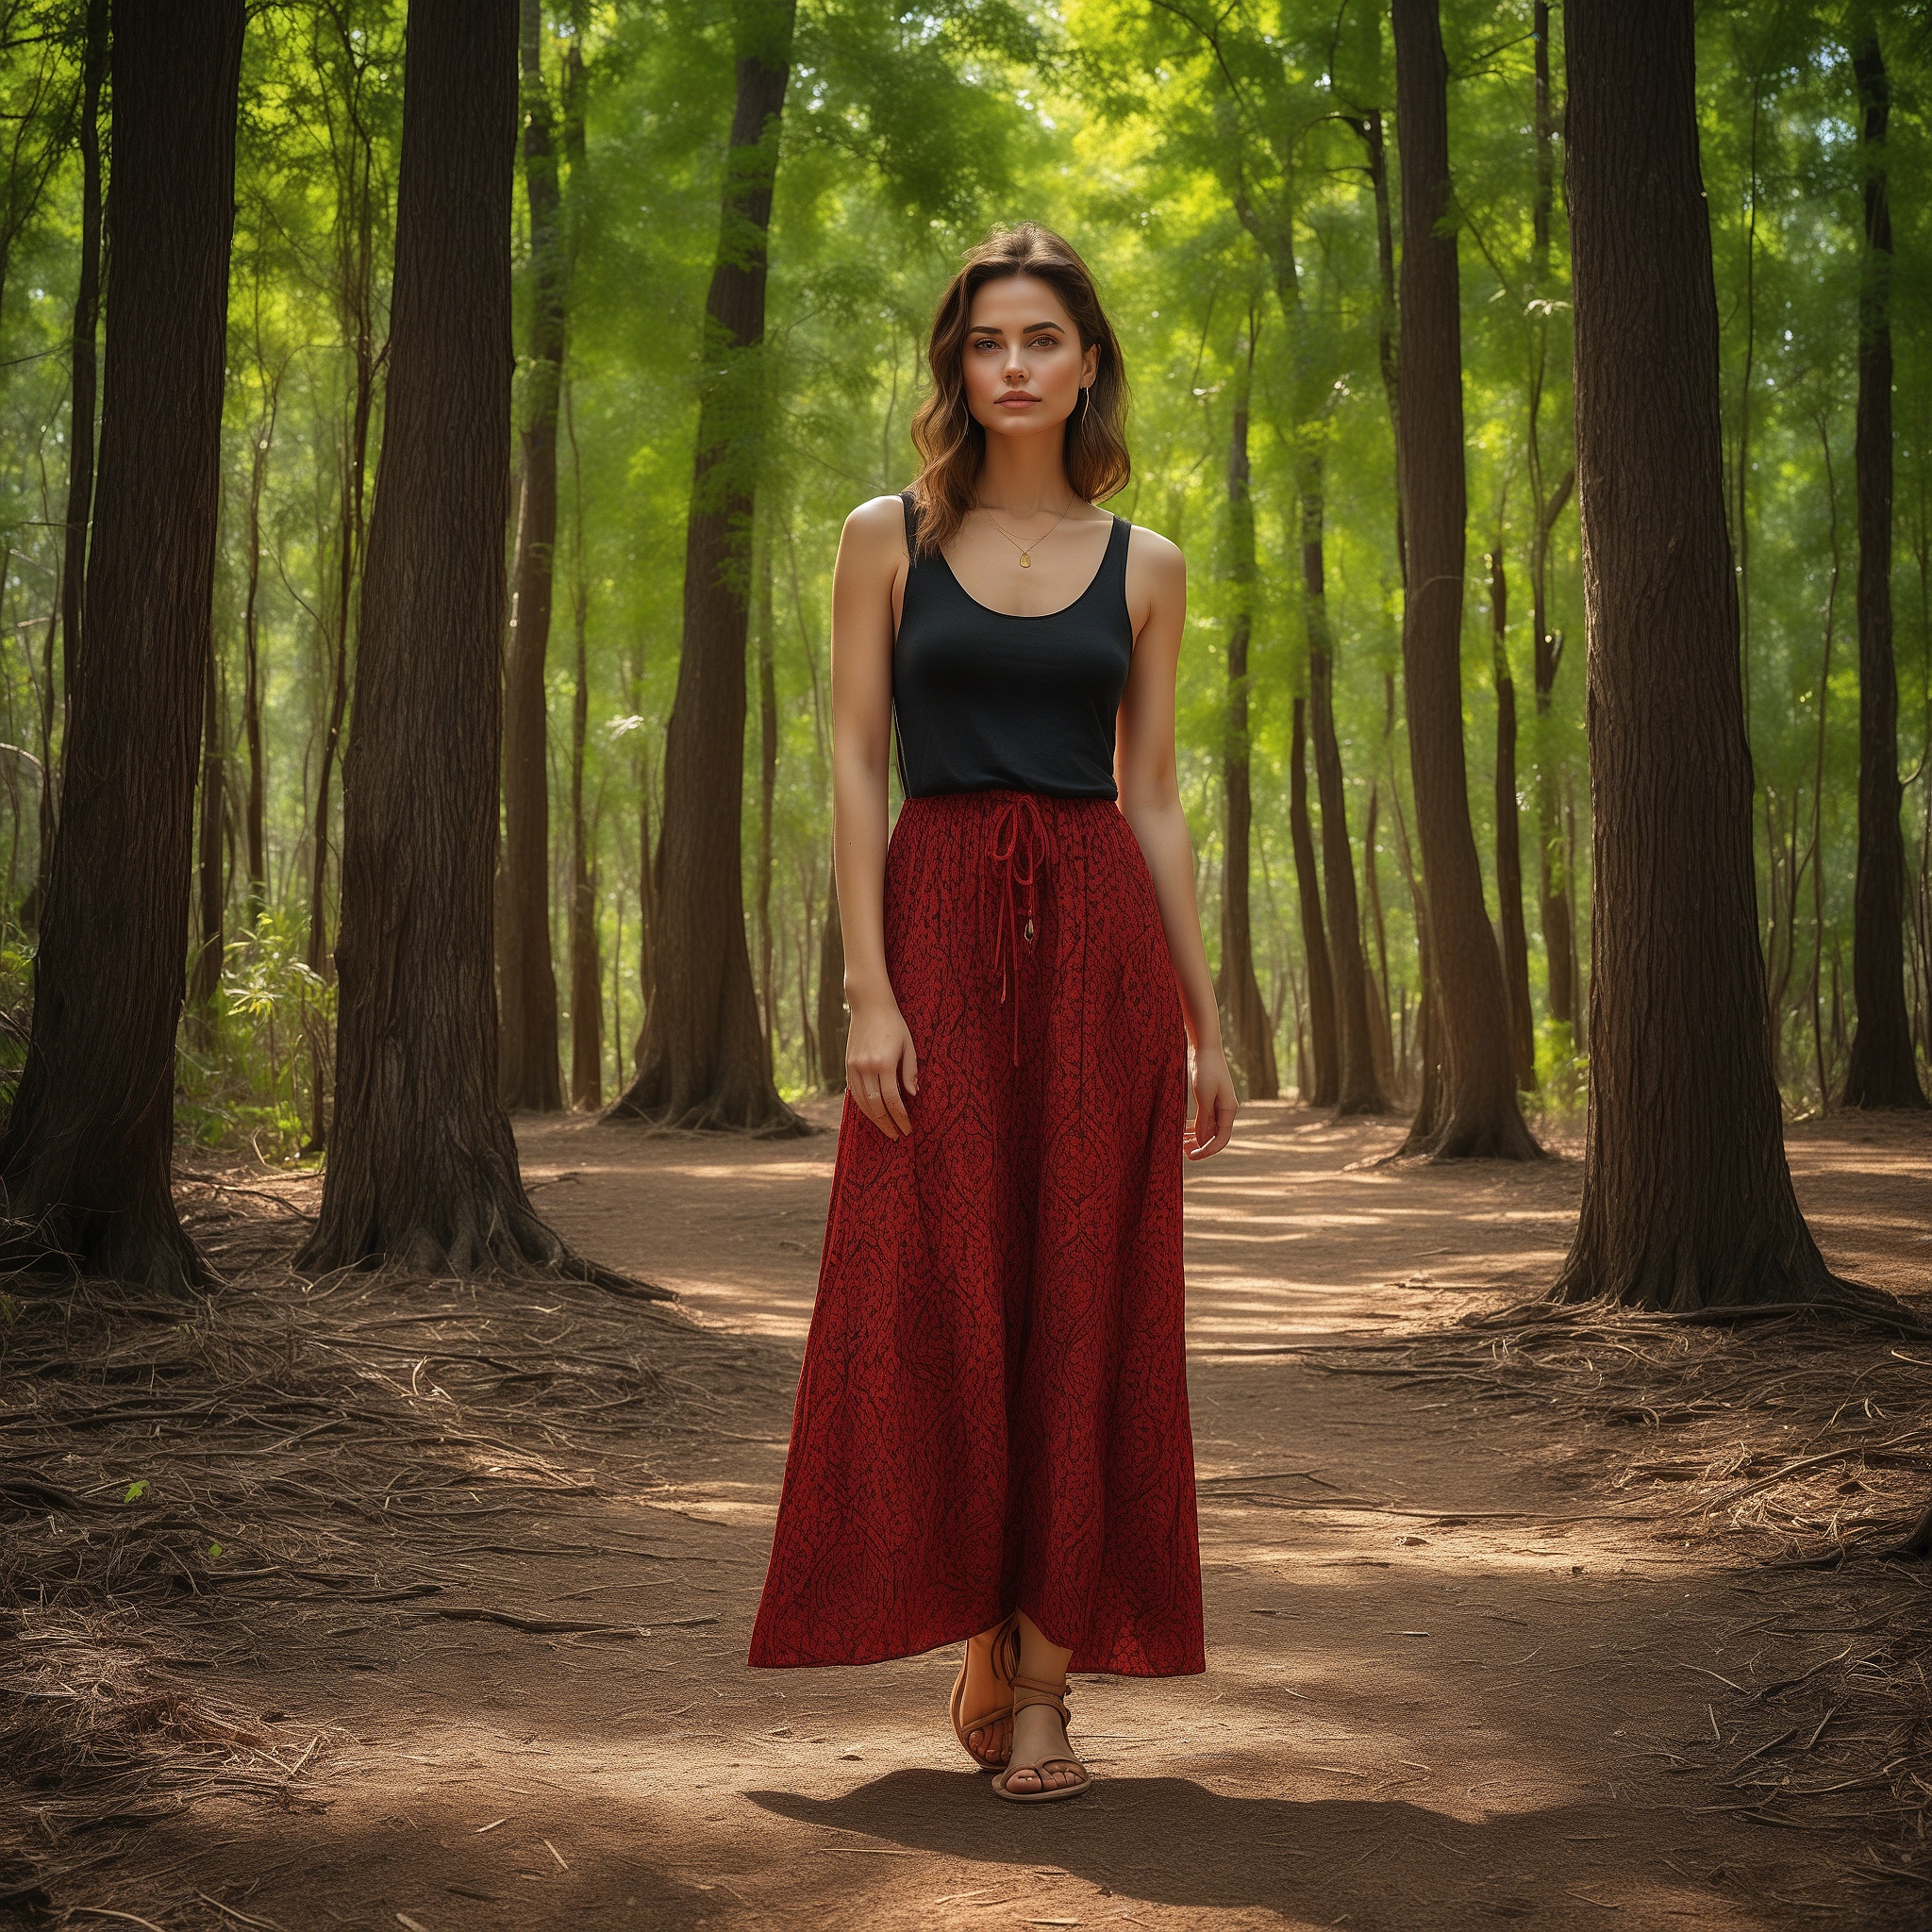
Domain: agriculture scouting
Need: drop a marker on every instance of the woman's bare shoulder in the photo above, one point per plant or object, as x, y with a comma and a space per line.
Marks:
877, 526
1157, 572
1157, 555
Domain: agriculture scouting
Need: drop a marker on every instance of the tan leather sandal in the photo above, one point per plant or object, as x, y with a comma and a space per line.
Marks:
1030, 1691
1006, 1660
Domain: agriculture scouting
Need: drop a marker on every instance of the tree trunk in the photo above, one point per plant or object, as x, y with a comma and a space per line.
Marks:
1344, 1058
1686, 1198
353, 151
1510, 832
256, 810
768, 790
704, 1063
1479, 1115
83, 358
1321, 1090
1559, 931
1881, 1073
1385, 1068
526, 976
647, 881
833, 1020
1249, 1033
423, 1173
85, 1158
586, 968
1559, 926
206, 980
1358, 1089
1369, 128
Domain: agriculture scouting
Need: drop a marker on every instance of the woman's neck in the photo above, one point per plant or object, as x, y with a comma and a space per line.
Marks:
1024, 476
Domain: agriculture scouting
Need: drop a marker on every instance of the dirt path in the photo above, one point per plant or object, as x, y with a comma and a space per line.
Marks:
1453, 1679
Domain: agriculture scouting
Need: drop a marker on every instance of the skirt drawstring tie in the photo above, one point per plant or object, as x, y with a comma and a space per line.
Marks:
1019, 848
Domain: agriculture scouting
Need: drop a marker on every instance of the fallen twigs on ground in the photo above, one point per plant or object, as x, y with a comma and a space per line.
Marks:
1801, 1436
351, 1441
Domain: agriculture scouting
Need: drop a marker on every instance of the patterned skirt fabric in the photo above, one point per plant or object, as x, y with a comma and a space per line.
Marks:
994, 1408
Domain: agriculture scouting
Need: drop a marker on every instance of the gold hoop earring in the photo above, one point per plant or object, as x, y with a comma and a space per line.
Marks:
1086, 401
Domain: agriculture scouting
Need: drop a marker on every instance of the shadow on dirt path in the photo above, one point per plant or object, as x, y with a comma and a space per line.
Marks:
1453, 1680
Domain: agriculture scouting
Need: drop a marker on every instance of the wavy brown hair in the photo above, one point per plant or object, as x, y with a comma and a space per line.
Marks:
952, 446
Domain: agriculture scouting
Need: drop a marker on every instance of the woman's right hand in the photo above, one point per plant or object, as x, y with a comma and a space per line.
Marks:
878, 1053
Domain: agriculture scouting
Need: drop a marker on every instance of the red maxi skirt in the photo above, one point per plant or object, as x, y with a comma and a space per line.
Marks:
993, 1408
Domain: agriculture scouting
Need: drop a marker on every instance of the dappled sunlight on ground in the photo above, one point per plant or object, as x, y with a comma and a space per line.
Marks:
1454, 1678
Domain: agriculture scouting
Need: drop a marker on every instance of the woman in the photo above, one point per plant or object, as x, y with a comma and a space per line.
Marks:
991, 1431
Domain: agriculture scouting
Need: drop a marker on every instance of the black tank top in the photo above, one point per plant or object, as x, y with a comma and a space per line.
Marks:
982, 700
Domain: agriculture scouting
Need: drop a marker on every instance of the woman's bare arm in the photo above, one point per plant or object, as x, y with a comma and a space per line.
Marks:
1151, 803
867, 583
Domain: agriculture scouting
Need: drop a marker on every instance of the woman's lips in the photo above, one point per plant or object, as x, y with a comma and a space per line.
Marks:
1018, 401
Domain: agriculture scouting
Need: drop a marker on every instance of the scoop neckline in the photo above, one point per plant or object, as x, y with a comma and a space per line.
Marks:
1038, 616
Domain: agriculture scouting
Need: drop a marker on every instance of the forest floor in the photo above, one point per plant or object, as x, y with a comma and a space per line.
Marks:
434, 1606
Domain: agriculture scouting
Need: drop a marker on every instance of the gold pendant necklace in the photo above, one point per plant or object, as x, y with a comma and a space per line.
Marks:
1027, 550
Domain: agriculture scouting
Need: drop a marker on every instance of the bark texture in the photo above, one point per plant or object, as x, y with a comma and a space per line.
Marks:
1881, 1071
1687, 1199
1250, 1033
526, 974
422, 1172
1479, 1115
1321, 1088
703, 1061
85, 1159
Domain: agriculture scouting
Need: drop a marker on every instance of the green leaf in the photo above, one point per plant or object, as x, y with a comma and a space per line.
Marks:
135, 1492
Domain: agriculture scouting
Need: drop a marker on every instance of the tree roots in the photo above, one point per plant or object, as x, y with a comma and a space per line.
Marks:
355, 1440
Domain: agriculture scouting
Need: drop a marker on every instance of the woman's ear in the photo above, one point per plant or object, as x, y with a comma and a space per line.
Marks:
1090, 365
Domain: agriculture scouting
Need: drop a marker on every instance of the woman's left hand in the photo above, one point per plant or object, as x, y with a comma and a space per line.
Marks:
1214, 1105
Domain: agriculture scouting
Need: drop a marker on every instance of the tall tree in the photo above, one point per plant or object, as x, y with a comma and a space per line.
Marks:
1546, 506
255, 816
768, 787
586, 969
422, 1171
703, 1061
1267, 106
83, 367
1250, 1031
1359, 1088
1881, 1071
526, 976
348, 57
84, 1162
834, 1021
205, 979
586, 972
1480, 1114
1322, 1086
1686, 1198
1509, 829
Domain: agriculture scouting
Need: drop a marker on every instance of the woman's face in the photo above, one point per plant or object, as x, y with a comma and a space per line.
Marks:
1024, 365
